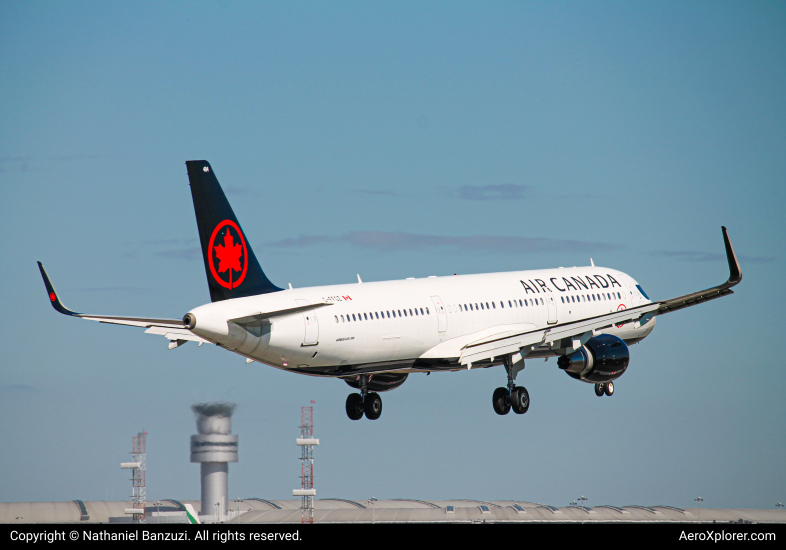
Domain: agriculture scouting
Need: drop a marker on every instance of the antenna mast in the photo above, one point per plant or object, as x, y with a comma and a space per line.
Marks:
306, 442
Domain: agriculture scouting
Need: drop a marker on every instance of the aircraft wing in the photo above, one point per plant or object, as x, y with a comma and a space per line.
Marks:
173, 329
575, 334
735, 276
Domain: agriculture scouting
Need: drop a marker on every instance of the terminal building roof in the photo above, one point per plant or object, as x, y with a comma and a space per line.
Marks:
339, 510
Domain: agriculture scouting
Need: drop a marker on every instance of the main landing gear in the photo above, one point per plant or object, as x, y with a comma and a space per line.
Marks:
604, 387
364, 402
513, 397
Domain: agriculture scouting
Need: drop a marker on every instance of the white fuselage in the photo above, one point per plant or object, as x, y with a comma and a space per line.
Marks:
386, 326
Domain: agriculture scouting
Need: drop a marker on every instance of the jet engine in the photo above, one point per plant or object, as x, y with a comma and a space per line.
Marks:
380, 382
601, 359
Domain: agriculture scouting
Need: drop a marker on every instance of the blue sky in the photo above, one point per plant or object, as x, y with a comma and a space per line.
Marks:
394, 140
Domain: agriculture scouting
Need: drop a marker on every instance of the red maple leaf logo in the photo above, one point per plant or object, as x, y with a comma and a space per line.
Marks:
229, 256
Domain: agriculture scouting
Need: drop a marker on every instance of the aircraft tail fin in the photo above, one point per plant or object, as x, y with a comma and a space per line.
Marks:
191, 514
231, 267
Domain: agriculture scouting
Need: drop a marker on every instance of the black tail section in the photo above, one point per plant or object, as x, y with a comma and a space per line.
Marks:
232, 269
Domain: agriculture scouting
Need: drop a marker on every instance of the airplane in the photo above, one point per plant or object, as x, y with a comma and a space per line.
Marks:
373, 335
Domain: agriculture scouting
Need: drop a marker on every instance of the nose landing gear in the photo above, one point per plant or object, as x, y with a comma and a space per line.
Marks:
513, 397
366, 402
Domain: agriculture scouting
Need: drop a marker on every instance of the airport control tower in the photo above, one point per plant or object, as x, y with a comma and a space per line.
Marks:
214, 448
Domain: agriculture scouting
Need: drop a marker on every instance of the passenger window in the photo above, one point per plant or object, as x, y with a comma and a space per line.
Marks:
410, 313
336, 317
509, 304
353, 317
394, 313
427, 312
421, 310
487, 305
377, 314
519, 302
562, 298
481, 306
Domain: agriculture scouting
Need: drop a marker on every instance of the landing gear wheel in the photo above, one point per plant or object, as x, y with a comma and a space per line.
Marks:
519, 400
609, 390
501, 401
355, 406
599, 389
373, 406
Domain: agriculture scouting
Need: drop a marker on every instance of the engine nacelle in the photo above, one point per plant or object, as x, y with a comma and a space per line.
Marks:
601, 359
380, 382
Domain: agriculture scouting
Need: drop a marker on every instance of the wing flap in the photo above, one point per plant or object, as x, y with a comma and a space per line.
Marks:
175, 334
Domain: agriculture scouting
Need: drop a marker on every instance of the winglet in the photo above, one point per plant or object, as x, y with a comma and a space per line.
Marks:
53, 296
735, 272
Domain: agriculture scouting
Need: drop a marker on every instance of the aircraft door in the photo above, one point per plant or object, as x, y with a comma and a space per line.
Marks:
632, 292
442, 316
311, 336
551, 305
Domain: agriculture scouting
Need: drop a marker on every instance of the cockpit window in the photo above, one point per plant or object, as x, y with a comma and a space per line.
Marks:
642, 292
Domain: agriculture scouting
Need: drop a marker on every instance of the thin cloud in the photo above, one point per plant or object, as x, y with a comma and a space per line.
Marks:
475, 243
73, 157
28, 164
389, 241
694, 256
300, 241
181, 253
503, 191
17, 389
377, 192
129, 289
15, 164
689, 255
756, 259
162, 242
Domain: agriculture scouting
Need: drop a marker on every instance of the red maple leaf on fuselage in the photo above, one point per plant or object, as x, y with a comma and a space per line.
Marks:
229, 255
